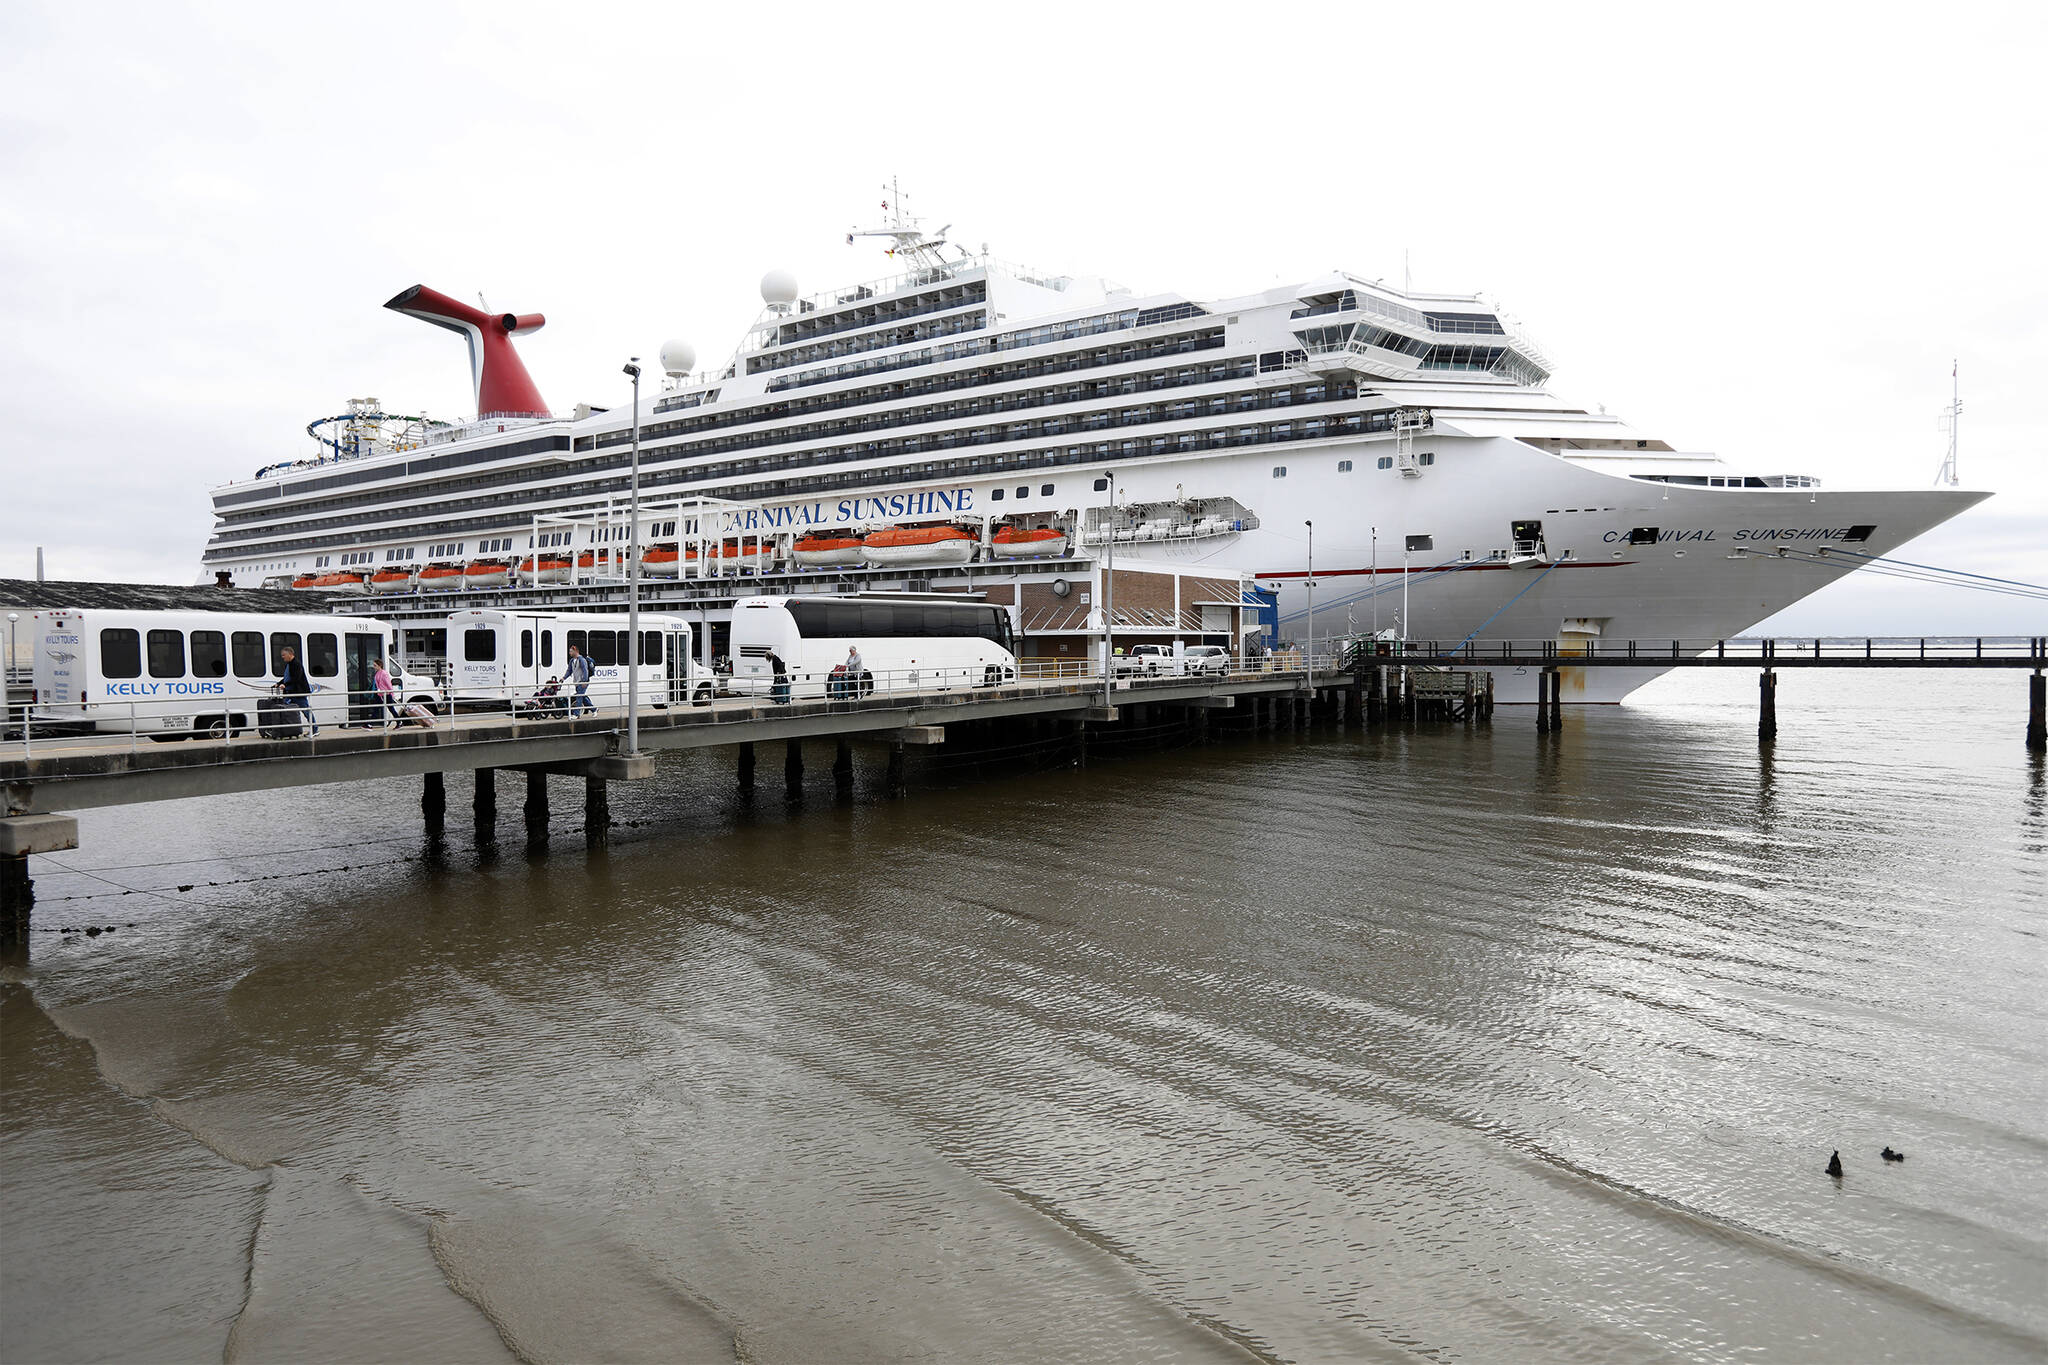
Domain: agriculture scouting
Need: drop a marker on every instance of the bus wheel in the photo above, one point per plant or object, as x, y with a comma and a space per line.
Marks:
703, 697
217, 727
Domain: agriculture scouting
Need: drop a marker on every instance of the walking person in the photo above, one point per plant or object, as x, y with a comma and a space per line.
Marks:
387, 697
779, 691
855, 668
579, 674
295, 686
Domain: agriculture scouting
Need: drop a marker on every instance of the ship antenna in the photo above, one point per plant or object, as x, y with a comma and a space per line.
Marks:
1951, 419
907, 239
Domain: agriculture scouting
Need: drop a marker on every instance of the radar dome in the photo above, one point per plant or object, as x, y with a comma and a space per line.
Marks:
778, 287
678, 357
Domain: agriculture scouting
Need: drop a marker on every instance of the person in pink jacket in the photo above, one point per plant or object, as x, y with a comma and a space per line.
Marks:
386, 697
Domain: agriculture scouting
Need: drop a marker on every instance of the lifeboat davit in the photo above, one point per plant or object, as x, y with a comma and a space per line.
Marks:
391, 580
661, 561
544, 569
441, 577
1018, 542
919, 545
486, 573
351, 583
818, 551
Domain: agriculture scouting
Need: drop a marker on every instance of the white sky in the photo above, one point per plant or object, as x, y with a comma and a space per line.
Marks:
1758, 230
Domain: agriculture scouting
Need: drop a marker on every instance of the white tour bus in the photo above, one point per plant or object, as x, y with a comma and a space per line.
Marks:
906, 644
175, 674
497, 657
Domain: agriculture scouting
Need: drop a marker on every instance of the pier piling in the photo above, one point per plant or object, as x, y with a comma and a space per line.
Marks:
793, 766
1767, 706
485, 798
2037, 713
597, 810
895, 783
746, 769
17, 897
1543, 702
842, 768
433, 801
536, 802
1556, 701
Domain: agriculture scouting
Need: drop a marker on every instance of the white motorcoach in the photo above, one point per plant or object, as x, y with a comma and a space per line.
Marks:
906, 644
176, 674
499, 656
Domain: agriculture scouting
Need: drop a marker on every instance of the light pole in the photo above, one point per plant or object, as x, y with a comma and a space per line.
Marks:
1375, 586
8, 672
1109, 590
1311, 596
633, 579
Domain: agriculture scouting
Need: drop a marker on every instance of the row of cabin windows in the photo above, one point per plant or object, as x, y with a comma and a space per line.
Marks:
1044, 490
604, 648
961, 350
710, 480
1343, 466
956, 382
869, 341
1078, 391
213, 652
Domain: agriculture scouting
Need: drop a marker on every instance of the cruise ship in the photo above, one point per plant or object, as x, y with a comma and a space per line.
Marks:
1400, 449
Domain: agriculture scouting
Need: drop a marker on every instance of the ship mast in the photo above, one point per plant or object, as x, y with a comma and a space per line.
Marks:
909, 241
1951, 420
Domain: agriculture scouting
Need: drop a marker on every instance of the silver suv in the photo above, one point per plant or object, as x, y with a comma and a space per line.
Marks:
1206, 659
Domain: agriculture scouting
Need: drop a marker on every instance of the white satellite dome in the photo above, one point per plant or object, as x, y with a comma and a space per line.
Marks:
678, 357
778, 288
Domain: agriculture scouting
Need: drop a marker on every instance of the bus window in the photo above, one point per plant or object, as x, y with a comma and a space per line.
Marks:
526, 649
167, 654
604, 648
547, 649
280, 641
209, 654
480, 646
580, 642
942, 622
650, 646
323, 655
248, 654
121, 653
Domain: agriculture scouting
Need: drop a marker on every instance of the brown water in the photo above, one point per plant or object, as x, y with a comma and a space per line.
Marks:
1444, 1044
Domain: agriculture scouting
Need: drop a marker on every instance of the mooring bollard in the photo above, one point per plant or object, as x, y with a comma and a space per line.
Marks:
1767, 706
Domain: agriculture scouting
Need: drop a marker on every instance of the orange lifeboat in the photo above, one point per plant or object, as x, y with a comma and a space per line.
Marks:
731, 555
337, 582
819, 550
391, 580
919, 545
1020, 542
304, 582
486, 573
544, 569
662, 561
441, 577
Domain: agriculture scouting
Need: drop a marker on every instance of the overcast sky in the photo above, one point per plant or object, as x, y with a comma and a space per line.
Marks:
1763, 230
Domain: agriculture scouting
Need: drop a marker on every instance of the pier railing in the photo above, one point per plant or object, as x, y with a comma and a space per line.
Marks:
229, 729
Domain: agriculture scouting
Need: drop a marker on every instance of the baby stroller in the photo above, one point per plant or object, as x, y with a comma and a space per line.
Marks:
549, 701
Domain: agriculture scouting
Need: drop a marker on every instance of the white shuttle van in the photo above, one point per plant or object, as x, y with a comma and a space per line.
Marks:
176, 674
499, 656
906, 644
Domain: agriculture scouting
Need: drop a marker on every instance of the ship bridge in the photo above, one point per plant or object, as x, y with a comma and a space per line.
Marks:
1354, 330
